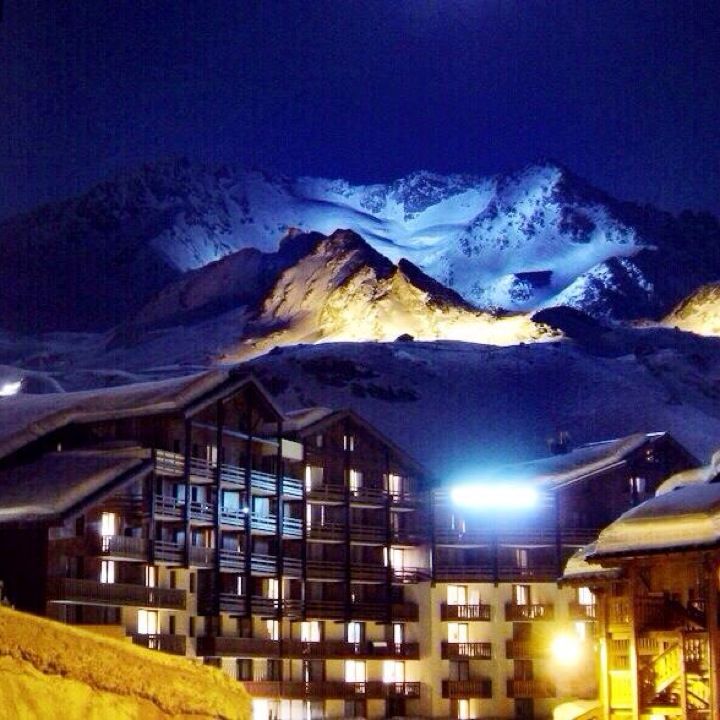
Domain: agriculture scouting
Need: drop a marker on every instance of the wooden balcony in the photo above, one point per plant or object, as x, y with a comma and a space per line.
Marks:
298, 690
446, 572
202, 513
327, 532
582, 612
461, 689
169, 552
525, 650
368, 497
334, 649
466, 650
410, 575
466, 612
326, 495
368, 572
167, 506
537, 611
540, 537
202, 556
335, 610
92, 592
368, 534
538, 689
119, 547
219, 646
173, 644
325, 570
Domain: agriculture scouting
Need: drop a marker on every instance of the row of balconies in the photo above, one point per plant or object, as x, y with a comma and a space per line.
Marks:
454, 689
203, 472
218, 646
299, 690
93, 592
366, 497
485, 537
513, 612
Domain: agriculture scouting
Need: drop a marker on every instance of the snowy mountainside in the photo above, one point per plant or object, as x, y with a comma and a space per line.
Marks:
699, 313
462, 408
519, 241
315, 288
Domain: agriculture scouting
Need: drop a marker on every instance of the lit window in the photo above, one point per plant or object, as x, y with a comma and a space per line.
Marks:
581, 630
394, 484
348, 443
463, 709
310, 631
585, 596
318, 441
240, 585
521, 594
150, 576
108, 524
521, 558
637, 485
147, 622
398, 630
273, 628
273, 589
457, 632
355, 632
457, 595
355, 671
107, 571
393, 671
356, 478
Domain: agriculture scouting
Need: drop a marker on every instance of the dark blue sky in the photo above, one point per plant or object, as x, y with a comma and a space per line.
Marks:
627, 94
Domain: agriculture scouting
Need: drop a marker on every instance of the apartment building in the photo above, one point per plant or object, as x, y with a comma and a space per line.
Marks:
305, 553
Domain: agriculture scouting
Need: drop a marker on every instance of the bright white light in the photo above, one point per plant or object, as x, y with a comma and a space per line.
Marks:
495, 495
567, 649
10, 388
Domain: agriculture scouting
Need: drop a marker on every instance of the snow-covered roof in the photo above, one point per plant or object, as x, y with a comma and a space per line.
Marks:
579, 463
579, 569
25, 418
59, 481
686, 518
298, 420
703, 474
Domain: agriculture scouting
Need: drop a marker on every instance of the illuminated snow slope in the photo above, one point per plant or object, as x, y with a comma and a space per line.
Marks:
699, 313
52, 671
518, 241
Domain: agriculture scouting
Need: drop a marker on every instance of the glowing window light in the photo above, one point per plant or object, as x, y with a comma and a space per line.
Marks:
508, 496
10, 388
567, 649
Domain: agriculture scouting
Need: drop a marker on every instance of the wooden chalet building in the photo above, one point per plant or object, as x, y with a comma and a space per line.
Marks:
303, 553
655, 576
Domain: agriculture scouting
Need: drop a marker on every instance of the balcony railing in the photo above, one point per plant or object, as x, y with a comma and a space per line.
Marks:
121, 547
202, 556
328, 532
168, 506
292, 527
214, 645
465, 612
92, 592
263, 524
368, 496
541, 537
368, 572
294, 689
173, 644
524, 649
326, 569
530, 688
445, 572
456, 689
327, 494
201, 512
410, 575
168, 552
335, 609
466, 650
537, 611
580, 611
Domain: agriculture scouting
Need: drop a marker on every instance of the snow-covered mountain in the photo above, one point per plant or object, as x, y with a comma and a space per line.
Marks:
522, 241
315, 288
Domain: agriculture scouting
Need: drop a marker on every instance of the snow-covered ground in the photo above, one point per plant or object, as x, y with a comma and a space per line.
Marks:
57, 672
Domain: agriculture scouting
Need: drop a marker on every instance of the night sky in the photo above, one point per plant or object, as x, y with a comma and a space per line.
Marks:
626, 94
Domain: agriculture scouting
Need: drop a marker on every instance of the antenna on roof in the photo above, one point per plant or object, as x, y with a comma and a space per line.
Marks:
560, 443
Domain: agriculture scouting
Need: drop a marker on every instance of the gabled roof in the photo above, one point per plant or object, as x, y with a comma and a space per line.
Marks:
580, 463
312, 421
26, 418
61, 483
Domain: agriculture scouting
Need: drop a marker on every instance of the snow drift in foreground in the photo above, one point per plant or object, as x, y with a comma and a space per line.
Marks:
58, 672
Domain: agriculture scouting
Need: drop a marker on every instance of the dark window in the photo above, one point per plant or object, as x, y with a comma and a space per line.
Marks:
273, 669
191, 627
192, 582
172, 625
244, 669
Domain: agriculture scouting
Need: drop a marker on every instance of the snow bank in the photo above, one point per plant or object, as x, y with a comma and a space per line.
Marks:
53, 671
